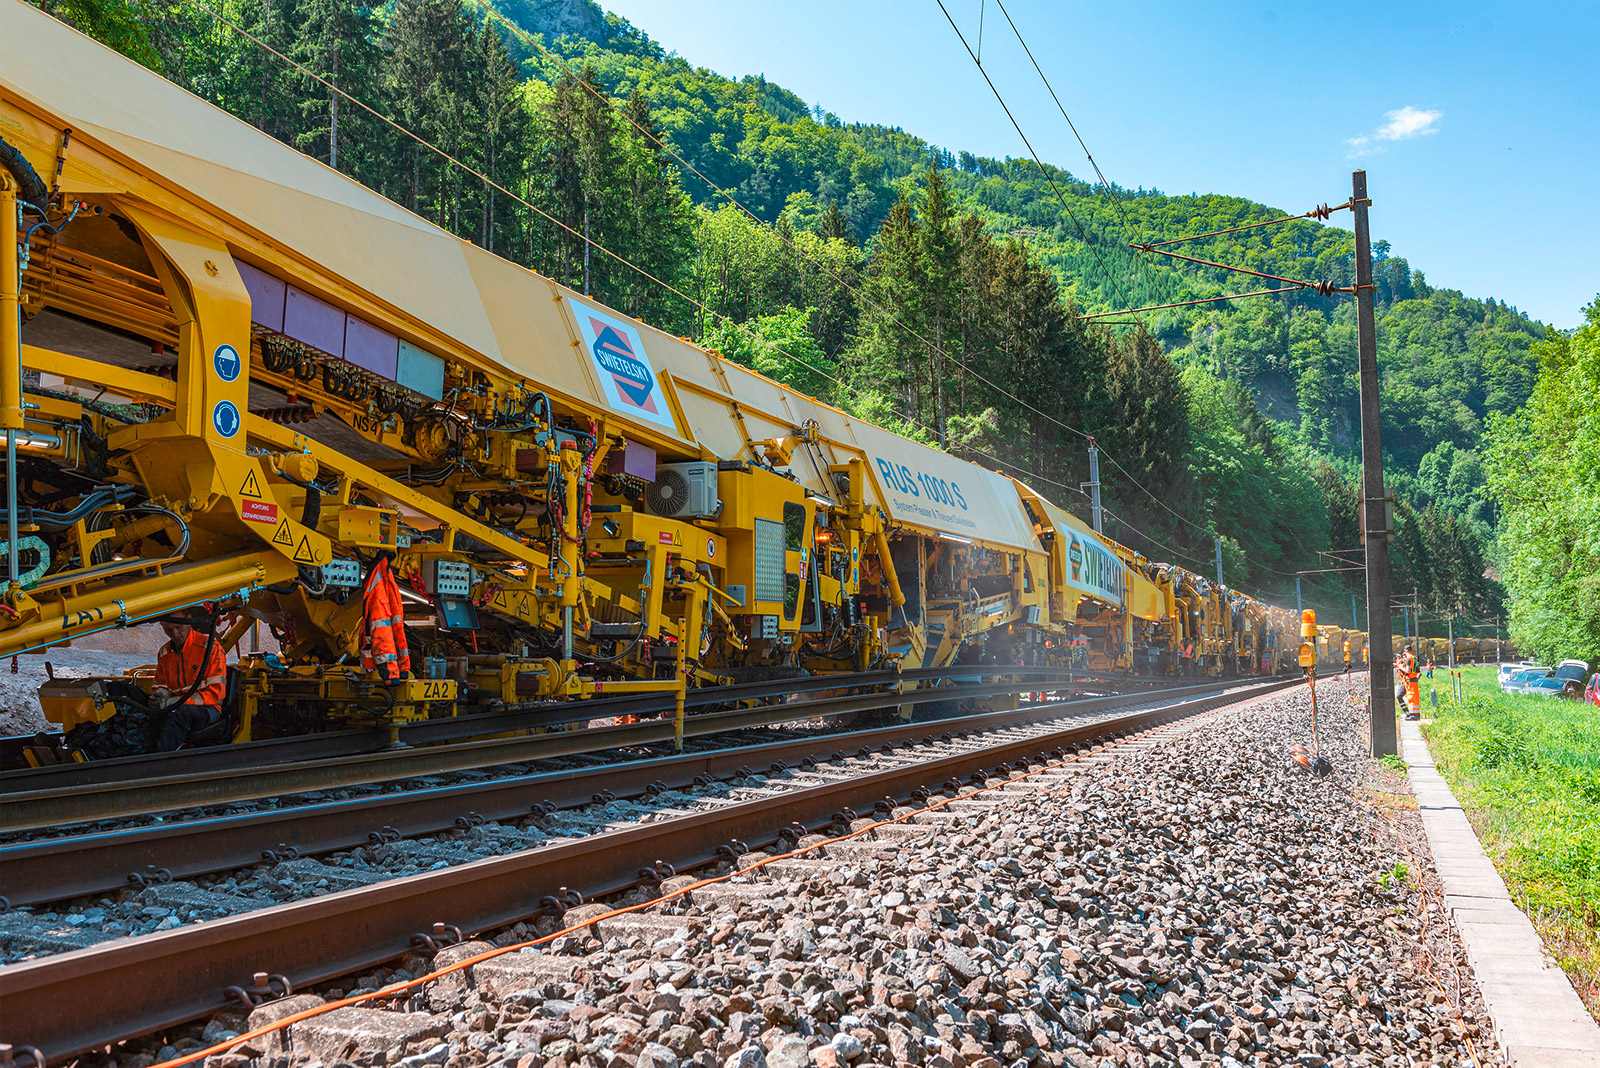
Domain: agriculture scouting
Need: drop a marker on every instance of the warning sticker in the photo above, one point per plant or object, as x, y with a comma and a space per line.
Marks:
665, 537
302, 552
251, 487
258, 511
283, 535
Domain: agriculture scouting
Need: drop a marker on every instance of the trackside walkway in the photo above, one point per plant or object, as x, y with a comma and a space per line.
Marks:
1538, 1018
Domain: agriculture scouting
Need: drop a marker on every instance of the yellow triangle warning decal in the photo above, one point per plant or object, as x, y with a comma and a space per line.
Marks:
302, 552
251, 487
283, 535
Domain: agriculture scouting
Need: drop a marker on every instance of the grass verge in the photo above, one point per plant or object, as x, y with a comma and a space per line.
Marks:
1527, 771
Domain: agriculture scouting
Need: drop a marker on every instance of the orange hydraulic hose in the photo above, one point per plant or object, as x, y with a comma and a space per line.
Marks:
396, 988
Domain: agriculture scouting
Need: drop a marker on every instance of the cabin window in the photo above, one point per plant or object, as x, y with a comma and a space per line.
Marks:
794, 526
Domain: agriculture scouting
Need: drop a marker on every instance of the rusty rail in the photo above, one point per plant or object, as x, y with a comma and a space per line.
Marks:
73, 1002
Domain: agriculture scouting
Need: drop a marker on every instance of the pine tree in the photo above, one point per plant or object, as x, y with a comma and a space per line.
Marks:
833, 226
940, 267
425, 69
505, 124
338, 41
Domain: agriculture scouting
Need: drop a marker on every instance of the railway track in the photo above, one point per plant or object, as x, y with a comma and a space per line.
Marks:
16, 774
147, 983
66, 794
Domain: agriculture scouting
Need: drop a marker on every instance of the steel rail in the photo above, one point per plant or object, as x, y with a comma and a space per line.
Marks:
60, 806
355, 741
139, 985
57, 869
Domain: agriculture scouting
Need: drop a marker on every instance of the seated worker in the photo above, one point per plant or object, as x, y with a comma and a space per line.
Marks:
182, 661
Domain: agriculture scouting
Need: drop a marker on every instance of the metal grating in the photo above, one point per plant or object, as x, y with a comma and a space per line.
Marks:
769, 560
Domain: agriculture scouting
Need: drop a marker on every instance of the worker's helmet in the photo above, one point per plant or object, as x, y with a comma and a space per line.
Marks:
1408, 647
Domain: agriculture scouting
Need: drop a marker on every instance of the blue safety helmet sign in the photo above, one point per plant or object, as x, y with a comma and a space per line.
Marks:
225, 418
226, 361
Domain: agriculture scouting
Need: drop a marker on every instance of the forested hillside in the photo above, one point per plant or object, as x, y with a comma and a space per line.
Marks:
933, 291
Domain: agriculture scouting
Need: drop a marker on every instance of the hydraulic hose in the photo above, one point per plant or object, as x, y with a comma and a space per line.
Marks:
31, 189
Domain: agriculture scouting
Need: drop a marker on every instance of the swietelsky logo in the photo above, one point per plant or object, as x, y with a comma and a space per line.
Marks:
624, 369
615, 356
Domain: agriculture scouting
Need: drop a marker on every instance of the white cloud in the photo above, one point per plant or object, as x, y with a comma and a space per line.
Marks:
1407, 123
1404, 124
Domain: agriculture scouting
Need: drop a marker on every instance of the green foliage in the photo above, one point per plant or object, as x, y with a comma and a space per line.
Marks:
1396, 876
1543, 466
118, 24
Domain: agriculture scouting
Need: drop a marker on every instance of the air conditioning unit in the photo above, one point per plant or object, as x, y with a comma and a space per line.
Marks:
683, 491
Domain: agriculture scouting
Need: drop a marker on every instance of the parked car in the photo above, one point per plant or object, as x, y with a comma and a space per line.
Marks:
1554, 687
1521, 679
1572, 669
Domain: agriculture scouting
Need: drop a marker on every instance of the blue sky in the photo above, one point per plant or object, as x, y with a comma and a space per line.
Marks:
1478, 124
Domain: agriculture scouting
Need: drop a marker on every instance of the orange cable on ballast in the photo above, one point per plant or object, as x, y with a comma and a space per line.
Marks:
397, 988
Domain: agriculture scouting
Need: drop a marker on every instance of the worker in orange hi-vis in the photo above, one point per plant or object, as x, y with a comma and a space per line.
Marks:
383, 642
191, 681
1407, 688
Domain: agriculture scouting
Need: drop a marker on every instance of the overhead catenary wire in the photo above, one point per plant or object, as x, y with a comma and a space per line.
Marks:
1158, 282
1043, 170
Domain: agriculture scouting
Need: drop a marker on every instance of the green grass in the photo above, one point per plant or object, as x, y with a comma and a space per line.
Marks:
1527, 769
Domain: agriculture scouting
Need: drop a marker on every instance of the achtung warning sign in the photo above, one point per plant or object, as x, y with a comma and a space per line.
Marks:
258, 511
251, 487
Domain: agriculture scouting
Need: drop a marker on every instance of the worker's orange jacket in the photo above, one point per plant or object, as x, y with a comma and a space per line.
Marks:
1405, 666
176, 669
383, 646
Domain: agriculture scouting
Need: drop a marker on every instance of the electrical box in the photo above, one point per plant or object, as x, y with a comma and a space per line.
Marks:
447, 578
338, 572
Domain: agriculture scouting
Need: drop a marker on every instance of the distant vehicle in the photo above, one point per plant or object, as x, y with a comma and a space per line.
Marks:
1508, 670
1572, 669
1517, 682
1553, 687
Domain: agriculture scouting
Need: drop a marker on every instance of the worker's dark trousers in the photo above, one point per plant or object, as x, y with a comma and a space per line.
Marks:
180, 722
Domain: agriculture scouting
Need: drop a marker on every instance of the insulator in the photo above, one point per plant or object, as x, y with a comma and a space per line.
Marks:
1321, 211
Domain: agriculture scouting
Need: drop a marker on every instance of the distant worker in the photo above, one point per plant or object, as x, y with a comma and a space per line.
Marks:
191, 681
383, 642
1591, 693
1347, 656
1186, 657
1407, 689
1430, 667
